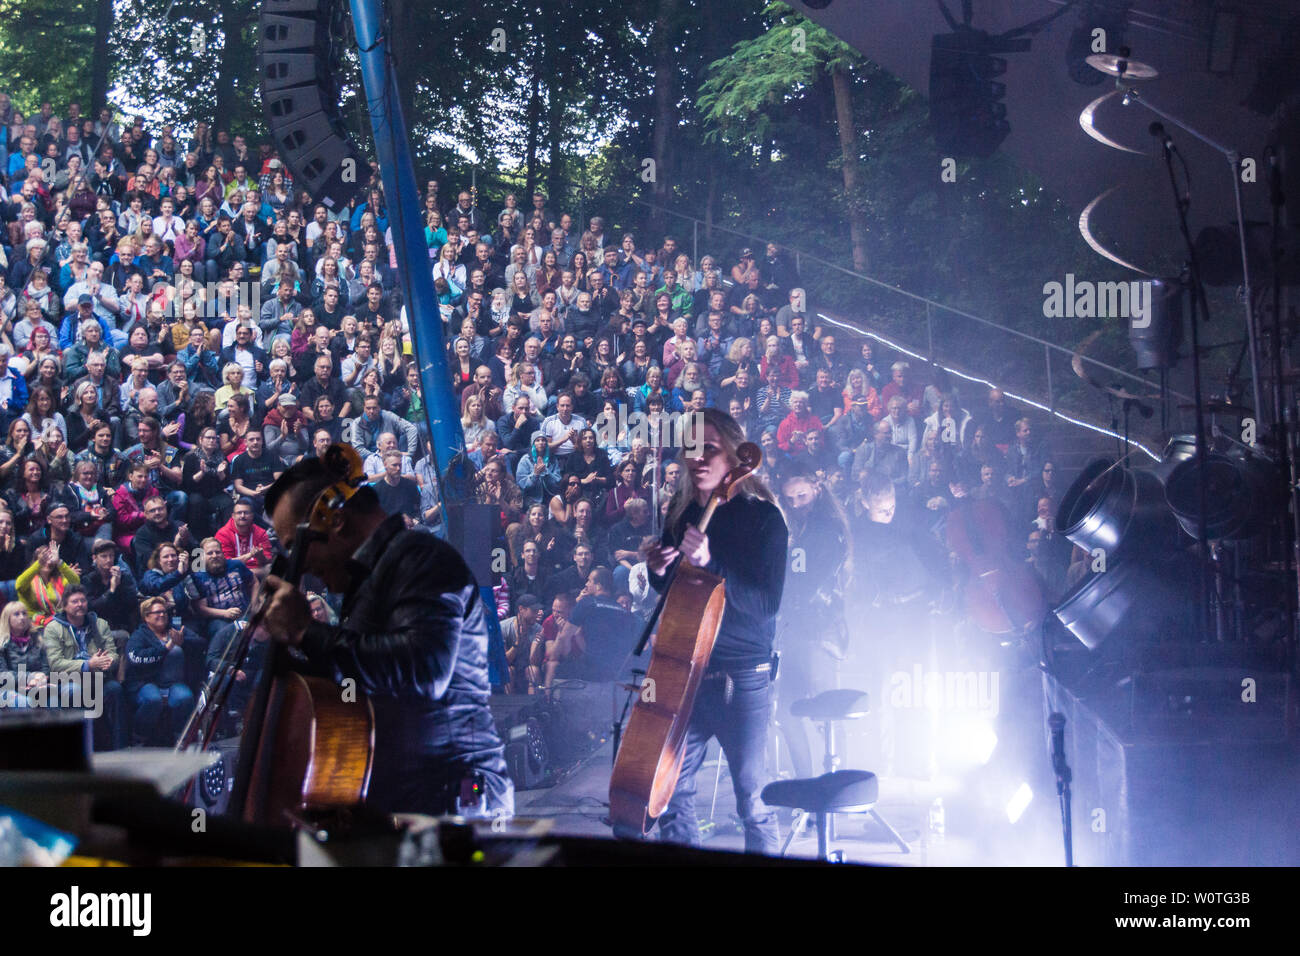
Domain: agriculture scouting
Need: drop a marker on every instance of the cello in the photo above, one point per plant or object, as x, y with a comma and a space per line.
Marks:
1002, 595
688, 615
304, 747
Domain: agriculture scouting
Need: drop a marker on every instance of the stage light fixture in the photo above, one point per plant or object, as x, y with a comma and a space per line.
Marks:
1243, 492
1141, 585
967, 115
1116, 510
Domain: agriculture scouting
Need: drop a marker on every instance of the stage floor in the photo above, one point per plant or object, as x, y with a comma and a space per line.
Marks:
579, 802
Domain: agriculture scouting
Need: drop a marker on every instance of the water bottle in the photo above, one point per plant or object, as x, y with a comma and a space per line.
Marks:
936, 821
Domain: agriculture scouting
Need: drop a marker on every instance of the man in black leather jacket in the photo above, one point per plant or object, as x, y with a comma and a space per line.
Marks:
412, 637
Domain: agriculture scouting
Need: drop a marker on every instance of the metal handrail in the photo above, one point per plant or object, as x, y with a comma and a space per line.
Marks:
931, 359
931, 303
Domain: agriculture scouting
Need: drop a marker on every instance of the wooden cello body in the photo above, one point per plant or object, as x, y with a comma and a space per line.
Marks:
650, 755
314, 753
689, 615
305, 746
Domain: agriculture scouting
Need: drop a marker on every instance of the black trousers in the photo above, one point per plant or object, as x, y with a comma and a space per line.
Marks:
741, 725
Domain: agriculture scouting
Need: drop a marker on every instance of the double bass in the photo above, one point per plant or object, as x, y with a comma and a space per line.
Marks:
305, 749
689, 615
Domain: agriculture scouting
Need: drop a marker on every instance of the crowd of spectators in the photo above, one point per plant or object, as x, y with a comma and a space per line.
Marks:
180, 323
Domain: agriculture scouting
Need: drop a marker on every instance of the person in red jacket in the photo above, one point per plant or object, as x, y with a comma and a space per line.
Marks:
787, 371
128, 505
242, 540
801, 420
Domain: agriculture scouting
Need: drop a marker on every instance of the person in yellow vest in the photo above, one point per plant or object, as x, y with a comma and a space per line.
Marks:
40, 587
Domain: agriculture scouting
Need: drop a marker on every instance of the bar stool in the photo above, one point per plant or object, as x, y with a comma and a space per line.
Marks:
836, 791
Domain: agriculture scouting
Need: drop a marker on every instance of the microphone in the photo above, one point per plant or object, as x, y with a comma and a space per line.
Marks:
1157, 130
1057, 724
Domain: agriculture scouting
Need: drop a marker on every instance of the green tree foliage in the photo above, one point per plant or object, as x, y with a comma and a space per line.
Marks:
757, 89
45, 52
187, 61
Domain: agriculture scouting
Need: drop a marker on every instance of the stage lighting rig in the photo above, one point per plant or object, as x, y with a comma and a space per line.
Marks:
967, 115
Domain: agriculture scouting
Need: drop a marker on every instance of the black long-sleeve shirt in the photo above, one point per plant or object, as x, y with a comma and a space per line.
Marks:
748, 540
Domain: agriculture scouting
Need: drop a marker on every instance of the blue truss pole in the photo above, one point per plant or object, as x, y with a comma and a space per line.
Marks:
441, 409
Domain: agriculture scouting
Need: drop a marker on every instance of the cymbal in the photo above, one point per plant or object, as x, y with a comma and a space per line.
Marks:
1218, 408
1121, 66
1124, 393
1076, 363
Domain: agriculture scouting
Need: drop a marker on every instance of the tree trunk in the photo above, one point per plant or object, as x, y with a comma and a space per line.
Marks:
709, 201
406, 48
665, 116
232, 22
849, 155
555, 180
534, 122
99, 57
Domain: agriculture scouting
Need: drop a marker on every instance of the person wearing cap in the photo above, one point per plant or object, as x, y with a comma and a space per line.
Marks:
518, 634
70, 329
740, 271
112, 591
283, 428
104, 300
269, 169
79, 640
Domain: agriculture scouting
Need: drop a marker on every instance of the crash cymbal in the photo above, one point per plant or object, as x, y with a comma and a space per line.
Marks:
1218, 408
1121, 66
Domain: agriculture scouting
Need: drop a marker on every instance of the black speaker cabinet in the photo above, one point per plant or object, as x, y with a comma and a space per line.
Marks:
300, 99
472, 530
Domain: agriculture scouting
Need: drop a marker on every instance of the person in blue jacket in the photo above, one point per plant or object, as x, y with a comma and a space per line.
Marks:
156, 691
538, 474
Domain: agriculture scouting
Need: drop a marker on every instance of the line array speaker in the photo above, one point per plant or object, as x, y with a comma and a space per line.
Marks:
300, 99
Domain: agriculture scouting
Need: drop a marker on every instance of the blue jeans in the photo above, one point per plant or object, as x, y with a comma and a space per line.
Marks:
159, 720
109, 732
194, 652
741, 728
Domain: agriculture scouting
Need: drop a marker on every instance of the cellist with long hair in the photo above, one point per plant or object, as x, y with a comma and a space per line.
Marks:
746, 546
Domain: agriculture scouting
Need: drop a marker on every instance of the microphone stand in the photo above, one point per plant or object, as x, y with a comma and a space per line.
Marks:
1132, 95
1202, 449
1063, 777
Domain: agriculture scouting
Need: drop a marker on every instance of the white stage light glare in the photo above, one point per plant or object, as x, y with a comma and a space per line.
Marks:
1019, 802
